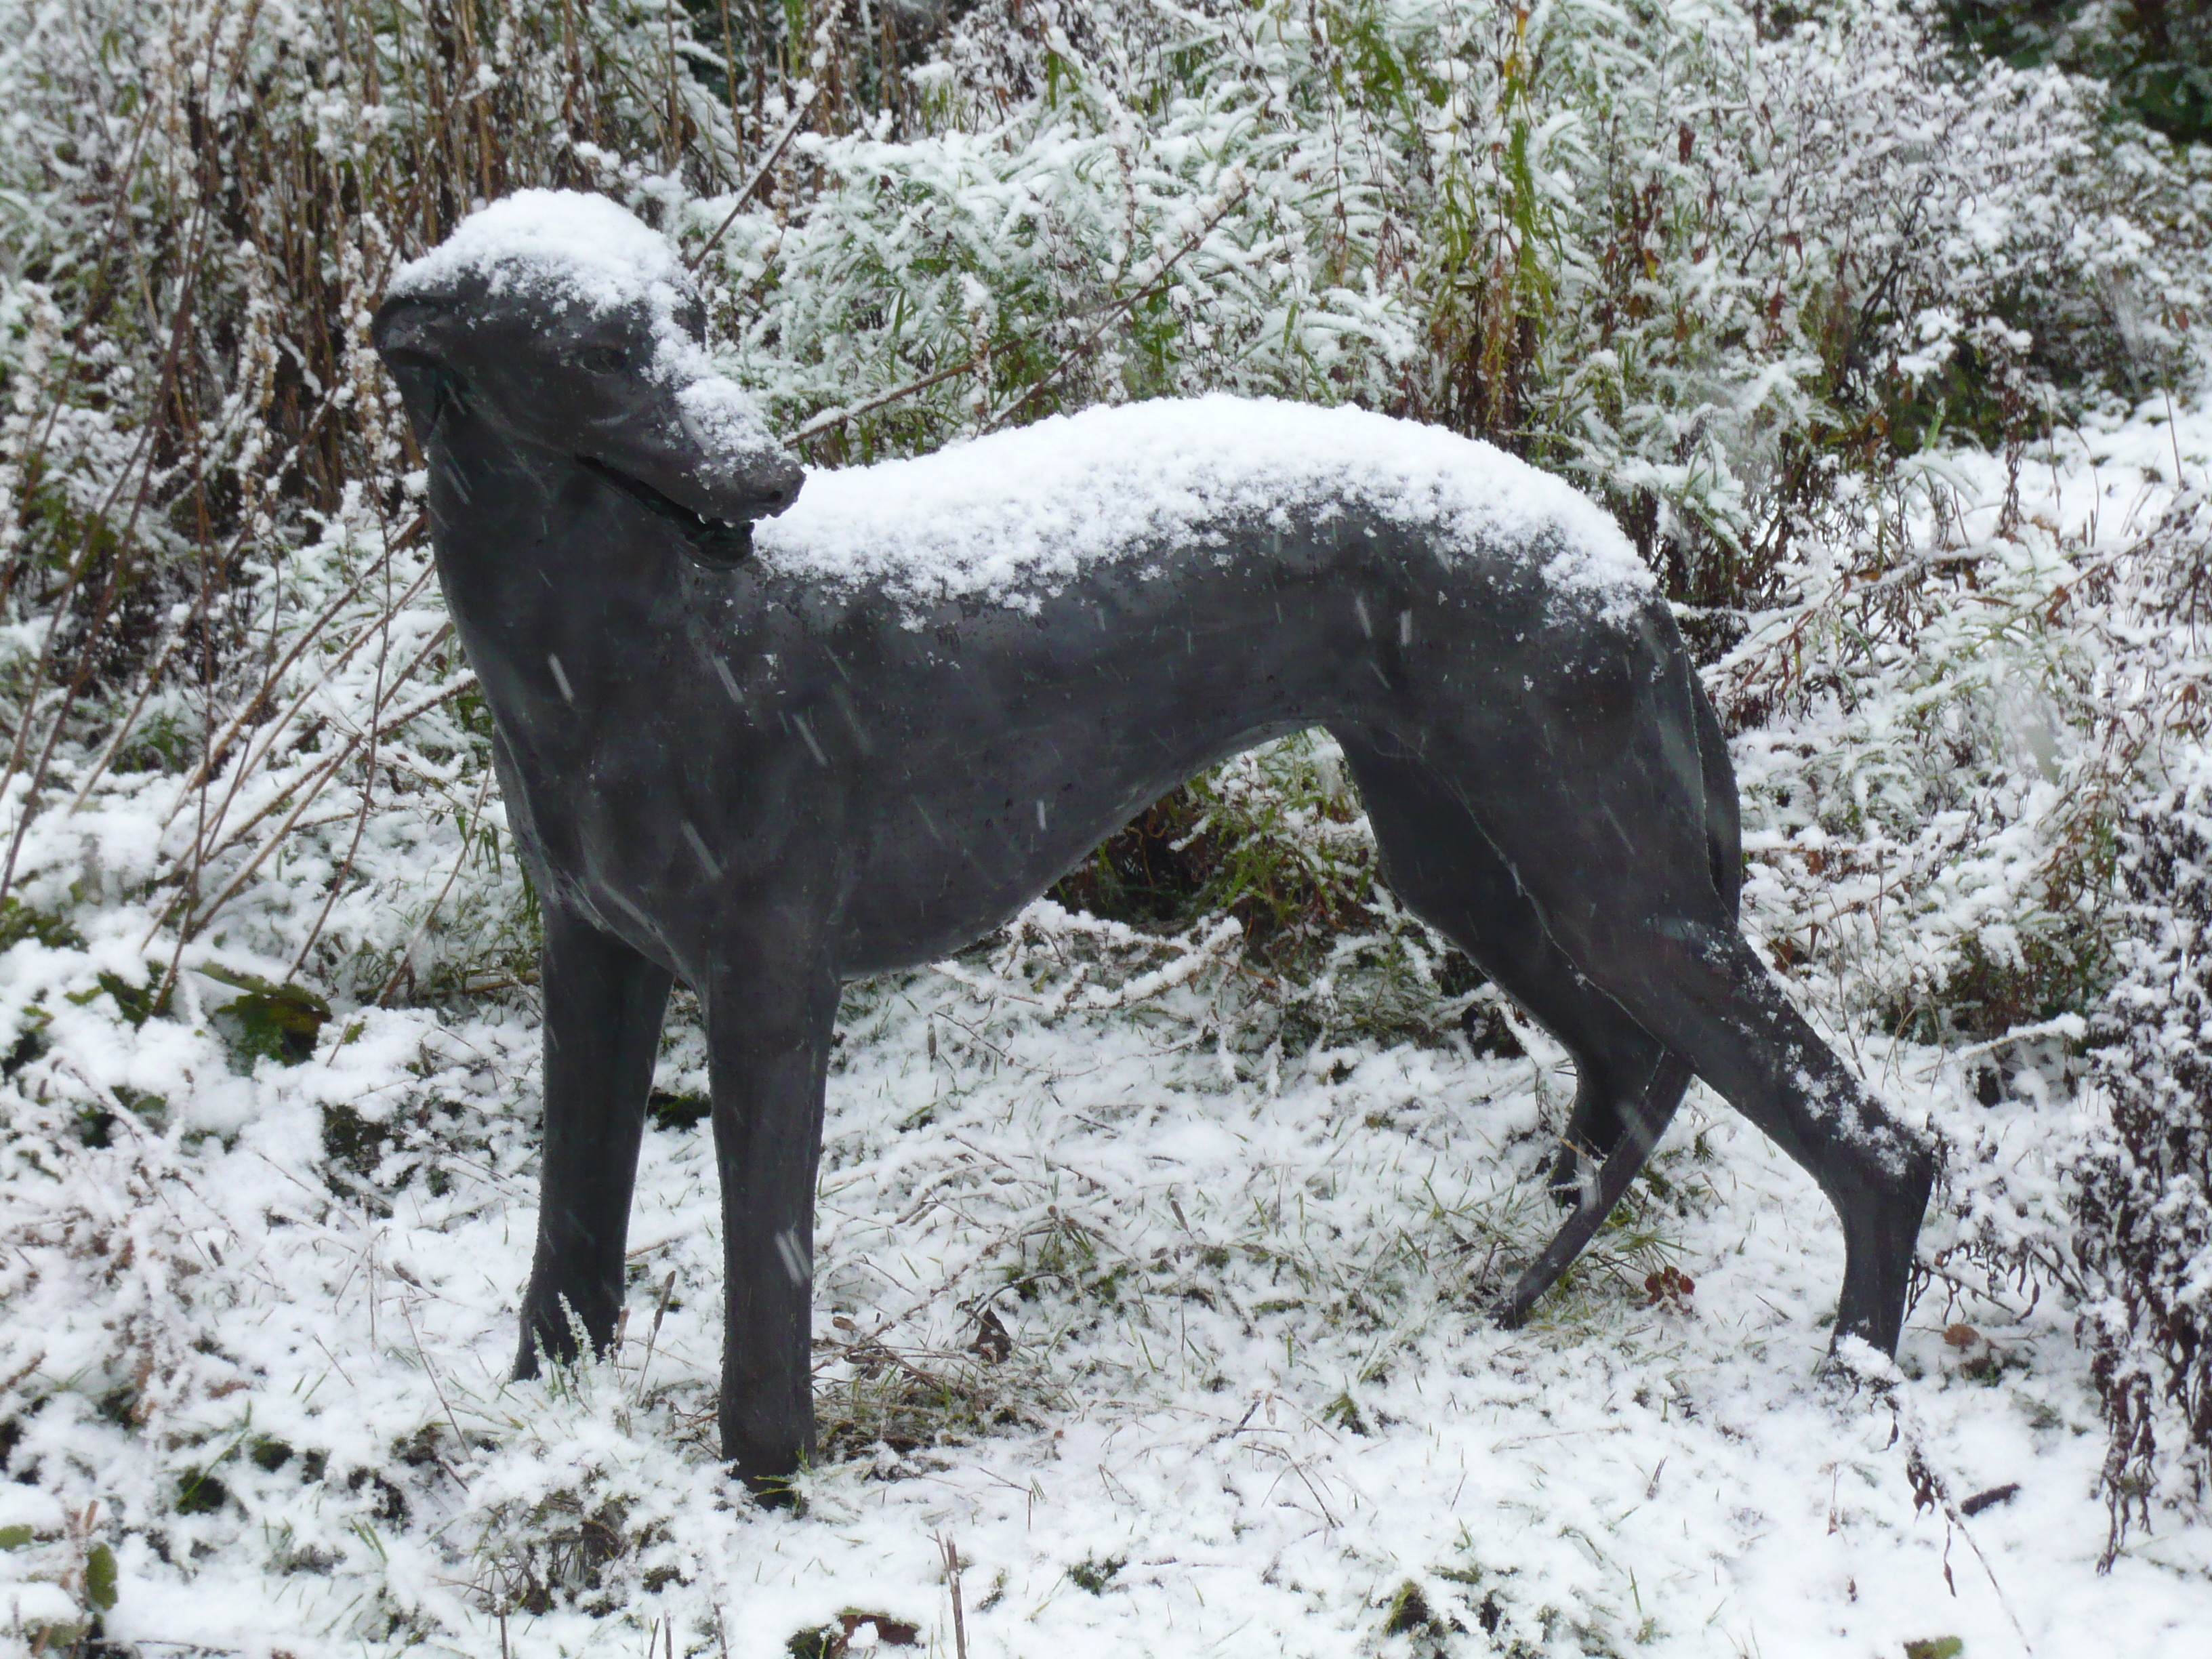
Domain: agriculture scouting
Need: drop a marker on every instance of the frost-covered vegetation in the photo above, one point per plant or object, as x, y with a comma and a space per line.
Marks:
1155, 1232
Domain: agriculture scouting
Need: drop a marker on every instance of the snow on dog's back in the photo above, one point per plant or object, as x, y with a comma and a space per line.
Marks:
1012, 517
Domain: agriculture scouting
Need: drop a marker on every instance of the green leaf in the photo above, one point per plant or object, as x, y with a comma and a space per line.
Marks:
100, 1578
14, 1538
1936, 1646
273, 1022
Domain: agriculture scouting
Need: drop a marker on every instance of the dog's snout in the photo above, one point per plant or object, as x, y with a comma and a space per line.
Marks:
780, 478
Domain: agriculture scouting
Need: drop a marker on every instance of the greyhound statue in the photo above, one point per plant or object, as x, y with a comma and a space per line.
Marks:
771, 741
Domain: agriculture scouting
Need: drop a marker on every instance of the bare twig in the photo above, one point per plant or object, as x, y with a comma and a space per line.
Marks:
308, 636
468, 828
123, 729
344, 871
1866, 1365
653, 1335
836, 417
952, 1584
379, 728
317, 779
264, 742
759, 177
429, 1371
1106, 317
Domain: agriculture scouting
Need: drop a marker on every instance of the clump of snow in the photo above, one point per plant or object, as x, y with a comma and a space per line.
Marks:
1012, 515
567, 251
716, 413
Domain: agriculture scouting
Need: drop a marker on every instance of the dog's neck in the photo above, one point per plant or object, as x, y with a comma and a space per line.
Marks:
543, 563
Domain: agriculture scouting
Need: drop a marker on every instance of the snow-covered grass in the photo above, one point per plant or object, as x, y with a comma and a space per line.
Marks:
1251, 1394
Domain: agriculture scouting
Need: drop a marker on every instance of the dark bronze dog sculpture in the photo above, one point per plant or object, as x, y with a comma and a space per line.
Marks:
772, 754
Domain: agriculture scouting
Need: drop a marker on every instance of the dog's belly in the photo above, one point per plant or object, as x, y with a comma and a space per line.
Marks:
954, 855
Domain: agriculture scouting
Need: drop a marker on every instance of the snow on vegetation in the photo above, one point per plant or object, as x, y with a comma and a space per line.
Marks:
1156, 1242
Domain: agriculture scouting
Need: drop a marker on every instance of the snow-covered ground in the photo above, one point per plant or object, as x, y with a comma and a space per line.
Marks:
1250, 1398
1237, 1392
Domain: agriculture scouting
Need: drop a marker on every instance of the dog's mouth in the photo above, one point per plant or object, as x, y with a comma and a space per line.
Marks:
715, 541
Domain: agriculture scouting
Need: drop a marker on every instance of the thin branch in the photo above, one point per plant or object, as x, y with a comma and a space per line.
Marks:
759, 177
313, 784
232, 837
344, 871
392, 983
259, 748
308, 636
1159, 282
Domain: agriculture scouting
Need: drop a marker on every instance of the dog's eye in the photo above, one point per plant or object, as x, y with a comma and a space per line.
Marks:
605, 360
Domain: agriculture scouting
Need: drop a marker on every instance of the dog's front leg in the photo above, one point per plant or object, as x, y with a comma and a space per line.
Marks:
602, 1008
769, 1019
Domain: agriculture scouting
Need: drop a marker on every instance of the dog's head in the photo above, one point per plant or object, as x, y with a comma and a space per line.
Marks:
565, 324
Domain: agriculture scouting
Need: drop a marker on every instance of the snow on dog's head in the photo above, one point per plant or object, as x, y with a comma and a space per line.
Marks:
558, 247
577, 324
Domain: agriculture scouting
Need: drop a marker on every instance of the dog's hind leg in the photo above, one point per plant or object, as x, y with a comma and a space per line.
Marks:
1696, 982
1596, 1125
1598, 1131
1627, 1086
1611, 846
